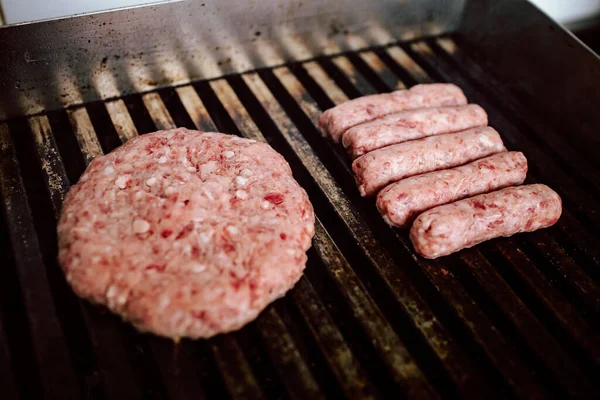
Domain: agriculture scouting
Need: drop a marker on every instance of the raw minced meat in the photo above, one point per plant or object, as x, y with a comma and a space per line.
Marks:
186, 233
410, 125
376, 169
401, 202
446, 229
337, 120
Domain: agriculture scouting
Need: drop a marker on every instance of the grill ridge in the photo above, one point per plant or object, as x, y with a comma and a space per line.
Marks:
590, 294
575, 164
514, 316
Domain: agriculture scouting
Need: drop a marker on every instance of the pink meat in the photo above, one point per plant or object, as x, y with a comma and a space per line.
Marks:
465, 223
186, 233
401, 202
337, 120
376, 169
410, 125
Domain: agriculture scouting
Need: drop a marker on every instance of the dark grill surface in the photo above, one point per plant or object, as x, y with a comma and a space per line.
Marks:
370, 319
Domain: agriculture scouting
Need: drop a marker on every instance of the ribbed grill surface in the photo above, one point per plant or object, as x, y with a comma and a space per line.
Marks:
370, 319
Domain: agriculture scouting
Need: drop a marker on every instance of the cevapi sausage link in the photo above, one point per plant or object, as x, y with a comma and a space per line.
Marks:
400, 203
376, 169
412, 124
335, 121
446, 229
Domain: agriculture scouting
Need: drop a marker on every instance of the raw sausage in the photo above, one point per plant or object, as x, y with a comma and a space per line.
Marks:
465, 223
400, 203
376, 169
337, 120
410, 125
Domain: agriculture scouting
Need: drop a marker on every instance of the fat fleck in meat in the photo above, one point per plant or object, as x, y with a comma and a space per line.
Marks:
400, 203
446, 229
335, 121
410, 125
376, 169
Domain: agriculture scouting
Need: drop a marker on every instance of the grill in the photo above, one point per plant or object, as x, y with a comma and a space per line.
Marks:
370, 319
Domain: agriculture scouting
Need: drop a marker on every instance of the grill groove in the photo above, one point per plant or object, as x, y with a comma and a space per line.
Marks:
49, 346
102, 334
515, 316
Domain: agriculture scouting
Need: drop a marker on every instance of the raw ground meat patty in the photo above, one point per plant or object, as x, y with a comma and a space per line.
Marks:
185, 233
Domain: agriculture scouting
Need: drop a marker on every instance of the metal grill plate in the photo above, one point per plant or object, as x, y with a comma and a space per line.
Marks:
370, 319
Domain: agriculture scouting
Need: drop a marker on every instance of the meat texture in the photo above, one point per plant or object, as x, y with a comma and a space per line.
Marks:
410, 125
185, 233
446, 229
400, 203
376, 169
335, 121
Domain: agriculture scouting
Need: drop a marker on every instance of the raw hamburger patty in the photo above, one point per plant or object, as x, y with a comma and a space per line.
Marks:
410, 125
337, 120
185, 233
376, 169
400, 203
465, 223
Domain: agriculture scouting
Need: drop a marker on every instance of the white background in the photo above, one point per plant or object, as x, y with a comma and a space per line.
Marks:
31, 10
564, 11
567, 11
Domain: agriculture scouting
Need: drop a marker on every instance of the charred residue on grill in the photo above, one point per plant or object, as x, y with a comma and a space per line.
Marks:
370, 317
